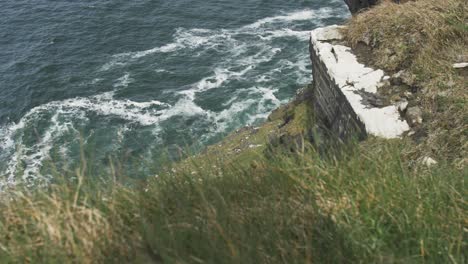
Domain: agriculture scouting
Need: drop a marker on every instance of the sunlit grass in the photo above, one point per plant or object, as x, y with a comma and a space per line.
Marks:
366, 206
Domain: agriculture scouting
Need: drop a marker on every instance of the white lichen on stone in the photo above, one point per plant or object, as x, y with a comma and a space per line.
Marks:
352, 77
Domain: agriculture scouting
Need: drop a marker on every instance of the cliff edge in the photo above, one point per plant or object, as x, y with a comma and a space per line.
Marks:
346, 99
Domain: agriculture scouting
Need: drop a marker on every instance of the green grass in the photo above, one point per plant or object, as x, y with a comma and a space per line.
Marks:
365, 207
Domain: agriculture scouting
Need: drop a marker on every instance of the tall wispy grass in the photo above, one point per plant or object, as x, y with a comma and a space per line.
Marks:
365, 207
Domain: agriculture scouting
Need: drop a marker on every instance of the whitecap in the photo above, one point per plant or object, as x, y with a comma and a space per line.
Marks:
124, 81
220, 77
294, 16
191, 39
163, 49
64, 114
272, 34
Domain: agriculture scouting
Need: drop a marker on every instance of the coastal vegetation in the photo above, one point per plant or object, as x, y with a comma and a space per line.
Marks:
273, 193
421, 40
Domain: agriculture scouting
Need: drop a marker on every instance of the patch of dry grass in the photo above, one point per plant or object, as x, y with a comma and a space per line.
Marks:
424, 38
66, 223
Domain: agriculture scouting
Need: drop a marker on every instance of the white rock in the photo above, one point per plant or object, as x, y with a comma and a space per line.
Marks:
383, 83
329, 33
402, 105
460, 65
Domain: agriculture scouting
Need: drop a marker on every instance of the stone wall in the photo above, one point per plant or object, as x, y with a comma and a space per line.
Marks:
342, 89
334, 113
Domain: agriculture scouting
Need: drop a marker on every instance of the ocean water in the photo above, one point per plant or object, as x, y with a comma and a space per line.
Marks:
130, 80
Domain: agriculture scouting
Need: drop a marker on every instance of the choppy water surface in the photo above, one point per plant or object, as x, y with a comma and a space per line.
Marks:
129, 79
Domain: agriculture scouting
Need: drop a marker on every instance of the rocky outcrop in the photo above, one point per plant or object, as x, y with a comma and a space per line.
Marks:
345, 97
356, 5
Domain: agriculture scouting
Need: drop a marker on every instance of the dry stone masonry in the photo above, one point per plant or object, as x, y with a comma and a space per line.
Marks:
343, 88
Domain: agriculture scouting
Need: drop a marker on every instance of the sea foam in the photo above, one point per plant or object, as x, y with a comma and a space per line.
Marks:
242, 50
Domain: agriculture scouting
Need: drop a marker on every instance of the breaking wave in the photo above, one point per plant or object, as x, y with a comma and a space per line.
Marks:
248, 76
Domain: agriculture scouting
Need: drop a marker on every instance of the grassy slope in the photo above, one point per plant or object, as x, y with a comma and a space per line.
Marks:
260, 196
424, 39
365, 207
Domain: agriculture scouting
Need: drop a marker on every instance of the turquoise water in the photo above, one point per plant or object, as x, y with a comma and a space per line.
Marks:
131, 79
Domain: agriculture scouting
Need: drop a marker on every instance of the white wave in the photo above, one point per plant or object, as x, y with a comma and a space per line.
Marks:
221, 75
223, 119
150, 113
6, 141
105, 105
34, 157
283, 33
294, 16
265, 55
65, 113
124, 81
30, 159
267, 104
268, 94
183, 107
303, 74
243, 50
112, 64
164, 49
263, 78
183, 39
264, 103
191, 39
96, 80
207, 83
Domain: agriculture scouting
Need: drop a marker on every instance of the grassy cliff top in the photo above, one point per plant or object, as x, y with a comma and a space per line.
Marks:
265, 195
420, 41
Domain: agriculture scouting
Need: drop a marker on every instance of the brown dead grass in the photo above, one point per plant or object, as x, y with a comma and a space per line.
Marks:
65, 223
424, 38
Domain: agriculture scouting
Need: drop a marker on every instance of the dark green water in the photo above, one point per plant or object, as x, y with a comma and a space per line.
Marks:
134, 78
